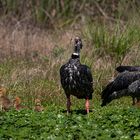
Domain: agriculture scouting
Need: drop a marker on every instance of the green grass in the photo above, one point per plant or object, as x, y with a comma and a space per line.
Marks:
40, 79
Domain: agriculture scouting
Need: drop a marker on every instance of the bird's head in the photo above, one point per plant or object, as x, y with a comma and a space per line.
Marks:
37, 102
105, 101
108, 99
17, 101
77, 45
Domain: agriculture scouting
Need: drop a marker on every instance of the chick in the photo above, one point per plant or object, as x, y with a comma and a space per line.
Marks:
17, 104
5, 103
38, 107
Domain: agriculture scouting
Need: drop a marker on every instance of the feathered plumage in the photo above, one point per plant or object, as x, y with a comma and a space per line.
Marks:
120, 87
5, 103
76, 79
130, 69
17, 104
38, 106
133, 90
127, 68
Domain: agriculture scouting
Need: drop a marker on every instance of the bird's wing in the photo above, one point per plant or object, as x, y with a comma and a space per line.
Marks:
127, 68
134, 87
122, 81
86, 73
62, 74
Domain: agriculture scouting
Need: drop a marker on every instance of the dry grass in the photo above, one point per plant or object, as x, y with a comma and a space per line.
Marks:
28, 42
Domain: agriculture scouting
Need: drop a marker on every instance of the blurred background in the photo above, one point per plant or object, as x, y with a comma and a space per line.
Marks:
37, 26
36, 38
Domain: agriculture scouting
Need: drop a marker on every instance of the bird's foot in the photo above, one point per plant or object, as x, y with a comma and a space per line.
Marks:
68, 112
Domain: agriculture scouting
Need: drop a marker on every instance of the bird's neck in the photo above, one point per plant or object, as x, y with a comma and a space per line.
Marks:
75, 61
119, 94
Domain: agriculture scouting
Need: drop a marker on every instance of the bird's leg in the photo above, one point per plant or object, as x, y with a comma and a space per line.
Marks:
68, 104
138, 102
133, 98
87, 105
138, 99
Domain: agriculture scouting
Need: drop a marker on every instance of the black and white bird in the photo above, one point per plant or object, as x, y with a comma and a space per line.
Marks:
127, 68
76, 78
125, 84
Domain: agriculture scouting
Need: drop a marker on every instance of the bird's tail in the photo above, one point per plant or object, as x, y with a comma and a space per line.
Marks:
127, 68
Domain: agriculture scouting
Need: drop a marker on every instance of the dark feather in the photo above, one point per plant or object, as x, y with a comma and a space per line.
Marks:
127, 68
133, 90
130, 69
121, 82
76, 79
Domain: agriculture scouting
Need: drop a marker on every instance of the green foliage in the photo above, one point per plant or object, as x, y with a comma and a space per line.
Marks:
112, 122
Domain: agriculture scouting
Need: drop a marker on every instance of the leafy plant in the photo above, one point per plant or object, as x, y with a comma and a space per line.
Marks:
112, 122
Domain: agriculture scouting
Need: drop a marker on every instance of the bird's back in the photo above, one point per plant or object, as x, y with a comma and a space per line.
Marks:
122, 81
76, 79
127, 68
